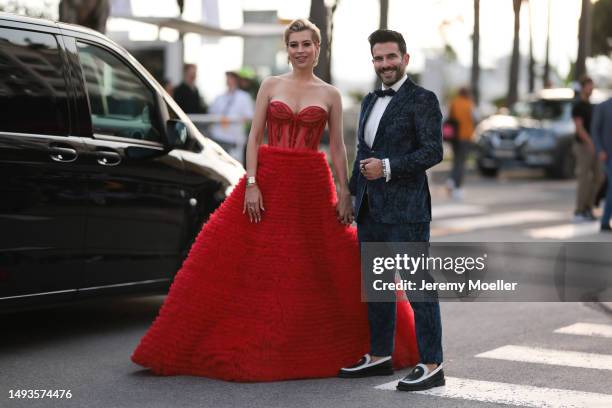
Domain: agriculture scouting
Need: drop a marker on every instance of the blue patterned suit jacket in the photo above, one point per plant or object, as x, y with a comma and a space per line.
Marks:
410, 136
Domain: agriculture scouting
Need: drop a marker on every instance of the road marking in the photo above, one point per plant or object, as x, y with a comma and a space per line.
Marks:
513, 394
464, 224
550, 356
564, 231
587, 329
453, 210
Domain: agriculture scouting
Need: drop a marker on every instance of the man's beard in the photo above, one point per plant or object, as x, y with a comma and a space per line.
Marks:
398, 75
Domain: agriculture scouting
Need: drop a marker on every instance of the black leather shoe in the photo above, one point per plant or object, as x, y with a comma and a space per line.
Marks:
366, 368
420, 378
605, 228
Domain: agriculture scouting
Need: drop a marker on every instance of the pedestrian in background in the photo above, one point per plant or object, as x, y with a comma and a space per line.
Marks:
236, 108
601, 131
461, 113
168, 87
589, 173
187, 95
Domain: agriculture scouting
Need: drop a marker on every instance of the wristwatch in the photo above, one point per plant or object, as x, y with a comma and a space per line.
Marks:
251, 181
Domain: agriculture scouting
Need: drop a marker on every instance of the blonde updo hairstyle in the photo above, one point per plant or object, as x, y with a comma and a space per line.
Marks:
302, 24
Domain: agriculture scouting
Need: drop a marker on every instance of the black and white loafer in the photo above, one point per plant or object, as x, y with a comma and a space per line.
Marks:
420, 378
366, 368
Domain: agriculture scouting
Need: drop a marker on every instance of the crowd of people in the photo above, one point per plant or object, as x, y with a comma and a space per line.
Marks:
234, 107
592, 146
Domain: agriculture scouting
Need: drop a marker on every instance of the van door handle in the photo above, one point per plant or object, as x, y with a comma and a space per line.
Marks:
63, 154
108, 158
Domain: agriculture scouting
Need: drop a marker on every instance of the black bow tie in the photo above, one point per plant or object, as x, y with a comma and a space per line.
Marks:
387, 92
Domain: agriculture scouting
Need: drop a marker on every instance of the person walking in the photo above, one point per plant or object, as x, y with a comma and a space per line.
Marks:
601, 131
461, 111
588, 168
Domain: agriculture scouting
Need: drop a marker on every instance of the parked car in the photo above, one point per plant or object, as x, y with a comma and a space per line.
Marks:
539, 135
104, 181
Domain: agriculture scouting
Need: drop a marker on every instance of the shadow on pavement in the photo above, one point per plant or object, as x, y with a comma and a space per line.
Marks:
92, 317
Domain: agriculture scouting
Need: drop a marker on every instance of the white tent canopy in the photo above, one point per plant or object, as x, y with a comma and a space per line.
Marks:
185, 26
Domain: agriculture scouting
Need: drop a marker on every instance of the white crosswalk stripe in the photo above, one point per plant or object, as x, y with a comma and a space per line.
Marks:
550, 356
513, 394
528, 395
465, 224
587, 329
564, 231
455, 209
454, 218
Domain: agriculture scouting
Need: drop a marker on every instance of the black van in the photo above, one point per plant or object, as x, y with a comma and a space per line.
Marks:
104, 181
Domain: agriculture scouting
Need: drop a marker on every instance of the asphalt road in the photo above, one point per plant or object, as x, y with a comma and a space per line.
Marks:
497, 354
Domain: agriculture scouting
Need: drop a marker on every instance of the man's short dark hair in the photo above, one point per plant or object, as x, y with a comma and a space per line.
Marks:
585, 80
383, 36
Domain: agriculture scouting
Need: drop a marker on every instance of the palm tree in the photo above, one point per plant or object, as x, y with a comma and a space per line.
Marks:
475, 77
382, 25
531, 59
515, 61
384, 14
546, 75
584, 39
601, 28
322, 16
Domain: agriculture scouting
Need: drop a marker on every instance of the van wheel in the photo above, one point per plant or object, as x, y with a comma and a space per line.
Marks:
488, 171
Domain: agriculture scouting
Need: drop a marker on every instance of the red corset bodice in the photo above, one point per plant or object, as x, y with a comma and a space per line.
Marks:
302, 130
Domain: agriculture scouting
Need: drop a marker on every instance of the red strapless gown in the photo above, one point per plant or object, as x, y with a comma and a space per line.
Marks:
276, 300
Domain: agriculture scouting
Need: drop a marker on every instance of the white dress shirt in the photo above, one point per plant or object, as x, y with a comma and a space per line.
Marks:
238, 106
371, 126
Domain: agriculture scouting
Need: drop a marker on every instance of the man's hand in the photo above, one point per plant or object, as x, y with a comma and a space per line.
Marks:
591, 147
371, 168
344, 209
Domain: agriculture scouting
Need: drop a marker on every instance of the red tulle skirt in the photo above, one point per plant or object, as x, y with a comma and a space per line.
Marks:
280, 299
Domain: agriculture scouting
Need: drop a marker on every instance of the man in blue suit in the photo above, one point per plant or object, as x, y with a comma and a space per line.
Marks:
399, 138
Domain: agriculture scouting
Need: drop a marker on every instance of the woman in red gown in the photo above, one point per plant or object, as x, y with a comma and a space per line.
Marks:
271, 288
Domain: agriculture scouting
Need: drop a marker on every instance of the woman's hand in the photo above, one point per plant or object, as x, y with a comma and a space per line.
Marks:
253, 203
344, 208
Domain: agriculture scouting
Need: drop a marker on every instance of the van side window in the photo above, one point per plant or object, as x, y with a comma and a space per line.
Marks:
33, 96
121, 104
